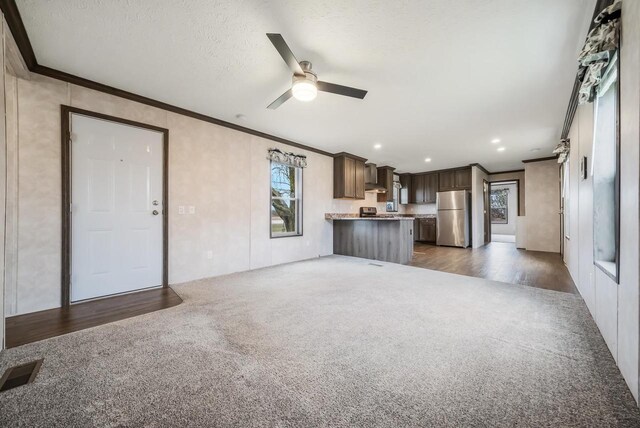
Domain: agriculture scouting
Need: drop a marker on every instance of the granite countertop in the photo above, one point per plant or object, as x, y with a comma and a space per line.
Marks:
382, 217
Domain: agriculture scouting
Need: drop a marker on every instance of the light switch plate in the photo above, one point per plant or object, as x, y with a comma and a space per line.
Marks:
192, 209
181, 209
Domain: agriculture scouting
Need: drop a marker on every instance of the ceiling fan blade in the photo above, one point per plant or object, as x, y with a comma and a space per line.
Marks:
281, 99
285, 53
341, 90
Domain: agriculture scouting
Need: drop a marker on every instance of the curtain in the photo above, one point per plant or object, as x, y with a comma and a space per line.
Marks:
600, 46
276, 155
562, 150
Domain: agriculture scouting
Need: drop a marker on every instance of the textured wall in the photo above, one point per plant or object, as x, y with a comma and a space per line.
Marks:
629, 288
222, 172
3, 178
543, 206
613, 306
477, 206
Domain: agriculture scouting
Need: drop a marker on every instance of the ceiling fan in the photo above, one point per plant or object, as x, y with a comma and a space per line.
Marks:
305, 84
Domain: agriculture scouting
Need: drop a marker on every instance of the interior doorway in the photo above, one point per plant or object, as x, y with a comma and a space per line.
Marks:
486, 189
504, 209
115, 188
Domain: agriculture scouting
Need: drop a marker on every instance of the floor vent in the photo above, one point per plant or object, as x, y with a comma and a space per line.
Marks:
19, 375
375, 264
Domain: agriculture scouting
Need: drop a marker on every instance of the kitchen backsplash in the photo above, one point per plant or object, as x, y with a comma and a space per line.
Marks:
420, 209
371, 200
353, 206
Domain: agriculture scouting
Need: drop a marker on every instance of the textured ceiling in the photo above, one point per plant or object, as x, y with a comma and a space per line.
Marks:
445, 77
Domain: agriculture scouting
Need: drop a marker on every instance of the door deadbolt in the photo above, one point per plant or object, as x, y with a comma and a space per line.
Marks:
155, 203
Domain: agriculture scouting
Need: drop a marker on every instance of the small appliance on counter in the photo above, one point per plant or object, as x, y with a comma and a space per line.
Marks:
368, 212
454, 218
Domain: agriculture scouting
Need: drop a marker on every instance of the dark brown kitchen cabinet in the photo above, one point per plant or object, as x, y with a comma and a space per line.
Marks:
447, 180
430, 188
417, 189
359, 179
405, 182
424, 188
425, 230
463, 178
456, 179
428, 229
348, 176
385, 178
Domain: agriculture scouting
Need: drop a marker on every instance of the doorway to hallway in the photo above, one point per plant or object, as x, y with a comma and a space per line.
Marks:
503, 200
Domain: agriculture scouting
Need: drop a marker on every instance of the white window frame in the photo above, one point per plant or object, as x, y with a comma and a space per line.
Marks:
297, 198
610, 267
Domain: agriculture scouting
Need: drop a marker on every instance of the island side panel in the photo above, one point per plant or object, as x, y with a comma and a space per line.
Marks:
390, 241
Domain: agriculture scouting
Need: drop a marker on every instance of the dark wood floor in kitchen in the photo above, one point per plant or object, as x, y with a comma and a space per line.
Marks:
498, 261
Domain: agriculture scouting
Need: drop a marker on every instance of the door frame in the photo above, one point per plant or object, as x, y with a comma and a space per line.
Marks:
65, 137
517, 181
486, 203
512, 180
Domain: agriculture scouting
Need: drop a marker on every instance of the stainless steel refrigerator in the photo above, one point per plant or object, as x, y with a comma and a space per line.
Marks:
454, 218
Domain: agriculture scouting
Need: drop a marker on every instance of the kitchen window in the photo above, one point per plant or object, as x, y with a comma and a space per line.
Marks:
286, 200
605, 172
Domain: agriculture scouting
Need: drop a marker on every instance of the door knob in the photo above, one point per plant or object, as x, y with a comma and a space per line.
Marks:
155, 212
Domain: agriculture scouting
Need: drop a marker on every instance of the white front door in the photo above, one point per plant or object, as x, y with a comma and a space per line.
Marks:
116, 208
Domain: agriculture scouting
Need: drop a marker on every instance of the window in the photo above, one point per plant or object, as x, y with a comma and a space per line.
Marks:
499, 206
286, 200
605, 166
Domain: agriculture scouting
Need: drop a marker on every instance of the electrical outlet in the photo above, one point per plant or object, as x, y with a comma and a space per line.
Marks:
192, 209
181, 209
209, 254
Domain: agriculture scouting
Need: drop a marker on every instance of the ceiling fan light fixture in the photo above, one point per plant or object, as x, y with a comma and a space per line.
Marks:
304, 87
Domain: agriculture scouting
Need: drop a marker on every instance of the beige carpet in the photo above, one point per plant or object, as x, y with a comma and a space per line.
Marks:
332, 342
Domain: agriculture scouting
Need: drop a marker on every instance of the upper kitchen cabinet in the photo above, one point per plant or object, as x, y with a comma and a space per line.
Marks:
423, 188
385, 179
417, 189
348, 176
463, 178
430, 188
456, 179
405, 193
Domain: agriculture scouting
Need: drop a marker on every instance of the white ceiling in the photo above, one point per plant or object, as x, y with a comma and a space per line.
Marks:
444, 77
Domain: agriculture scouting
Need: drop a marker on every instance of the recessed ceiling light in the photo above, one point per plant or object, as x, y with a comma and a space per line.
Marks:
535, 150
377, 146
501, 149
427, 160
495, 141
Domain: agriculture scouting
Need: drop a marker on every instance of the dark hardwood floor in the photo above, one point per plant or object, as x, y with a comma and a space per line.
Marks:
27, 328
498, 261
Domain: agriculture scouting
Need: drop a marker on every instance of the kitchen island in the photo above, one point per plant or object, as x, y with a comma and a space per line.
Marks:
384, 238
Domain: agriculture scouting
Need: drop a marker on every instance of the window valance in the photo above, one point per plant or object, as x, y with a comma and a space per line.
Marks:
277, 155
562, 150
601, 44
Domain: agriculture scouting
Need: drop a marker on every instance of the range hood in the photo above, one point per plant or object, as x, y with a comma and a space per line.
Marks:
371, 179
